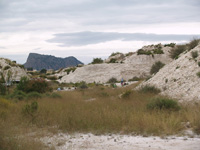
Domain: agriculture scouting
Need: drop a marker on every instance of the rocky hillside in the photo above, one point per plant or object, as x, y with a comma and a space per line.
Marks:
181, 78
127, 66
10, 70
38, 62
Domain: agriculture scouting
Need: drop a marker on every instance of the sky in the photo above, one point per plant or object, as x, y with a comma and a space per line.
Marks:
88, 29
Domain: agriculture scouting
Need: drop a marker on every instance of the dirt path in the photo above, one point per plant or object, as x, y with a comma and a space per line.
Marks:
120, 142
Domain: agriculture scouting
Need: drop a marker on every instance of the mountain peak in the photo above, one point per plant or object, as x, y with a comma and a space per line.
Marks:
40, 61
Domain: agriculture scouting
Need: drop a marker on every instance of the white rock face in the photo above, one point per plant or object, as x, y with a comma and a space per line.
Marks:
179, 78
15, 71
134, 65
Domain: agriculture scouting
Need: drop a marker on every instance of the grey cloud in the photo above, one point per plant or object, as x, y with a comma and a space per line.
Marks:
1, 47
87, 37
97, 12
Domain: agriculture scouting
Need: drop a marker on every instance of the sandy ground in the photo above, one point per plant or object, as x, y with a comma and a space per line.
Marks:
120, 142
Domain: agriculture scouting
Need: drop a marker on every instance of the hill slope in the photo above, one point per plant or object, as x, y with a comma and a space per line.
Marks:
179, 78
38, 62
132, 65
10, 70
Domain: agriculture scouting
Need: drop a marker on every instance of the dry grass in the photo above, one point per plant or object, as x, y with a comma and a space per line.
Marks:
78, 111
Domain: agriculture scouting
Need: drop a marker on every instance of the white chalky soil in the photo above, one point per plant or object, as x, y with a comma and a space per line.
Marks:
120, 142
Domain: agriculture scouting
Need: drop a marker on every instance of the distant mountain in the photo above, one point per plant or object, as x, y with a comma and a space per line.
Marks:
39, 62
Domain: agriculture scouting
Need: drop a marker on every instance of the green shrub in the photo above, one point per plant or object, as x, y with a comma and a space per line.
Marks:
143, 52
18, 95
34, 95
193, 43
43, 71
2, 89
34, 85
135, 79
97, 61
6, 68
149, 89
199, 63
113, 60
55, 95
30, 110
163, 104
82, 85
175, 52
156, 67
116, 53
112, 80
194, 54
70, 70
198, 74
170, 45
158, 51
126, 94
52, 78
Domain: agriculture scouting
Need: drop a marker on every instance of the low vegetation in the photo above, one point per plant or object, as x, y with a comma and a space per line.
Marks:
170, 45
163, 104
194, 54
97, 61
176, 51
193, 43
72, 69
156, 67
149, 89
135, 112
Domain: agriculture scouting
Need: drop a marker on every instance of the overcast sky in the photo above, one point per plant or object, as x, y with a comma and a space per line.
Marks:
93, 28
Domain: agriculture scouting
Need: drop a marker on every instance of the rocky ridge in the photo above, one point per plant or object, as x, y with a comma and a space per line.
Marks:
9, 69
128, 67
39, 62
179, 79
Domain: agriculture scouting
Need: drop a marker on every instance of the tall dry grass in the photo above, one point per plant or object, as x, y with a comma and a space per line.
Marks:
98, 110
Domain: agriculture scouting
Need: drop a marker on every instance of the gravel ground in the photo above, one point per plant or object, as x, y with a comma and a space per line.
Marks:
120, 142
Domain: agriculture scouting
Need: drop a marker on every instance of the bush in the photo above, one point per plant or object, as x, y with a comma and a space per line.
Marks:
30, 110
194, 54
6, 68
170, 45
43, 71
35, 85
97, 61
112, 80
113, 54
126, 94
34, 95
82, 85
18, 95
112, 60
52, 78
175, 52
134, 79
2, 89
198, 74
199, 63
70, 70
143, 52
156, 67
158, 51
55, 95
193, 43
149, 89
163, 104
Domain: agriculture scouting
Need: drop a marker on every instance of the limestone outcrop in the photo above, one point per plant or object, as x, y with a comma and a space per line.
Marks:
10, 70
181, 78
132, 65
